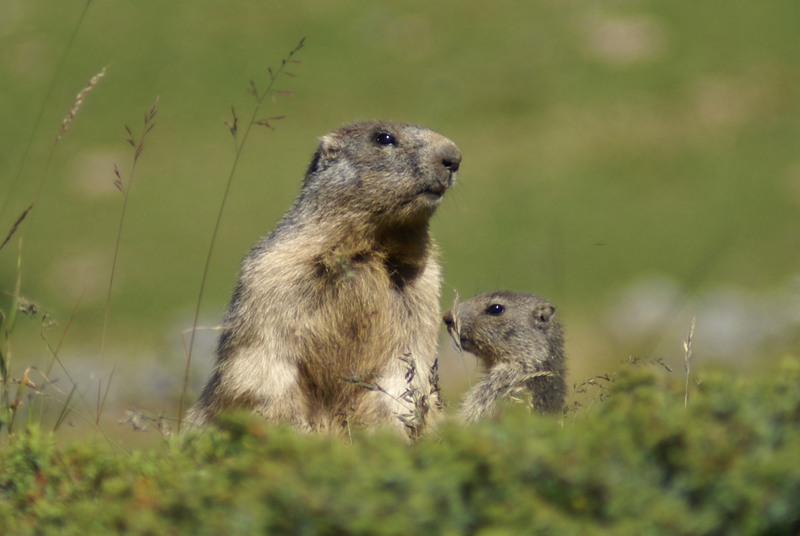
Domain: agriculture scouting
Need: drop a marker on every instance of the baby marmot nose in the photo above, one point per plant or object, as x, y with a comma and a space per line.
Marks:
448, 316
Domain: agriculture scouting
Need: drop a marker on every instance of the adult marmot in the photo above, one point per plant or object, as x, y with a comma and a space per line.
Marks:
335, 315
521, 344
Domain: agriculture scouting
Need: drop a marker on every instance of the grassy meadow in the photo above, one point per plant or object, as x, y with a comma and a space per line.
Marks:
638, 163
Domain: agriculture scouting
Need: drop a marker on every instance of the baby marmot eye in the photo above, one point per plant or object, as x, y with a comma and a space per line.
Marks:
495, 309
384, 138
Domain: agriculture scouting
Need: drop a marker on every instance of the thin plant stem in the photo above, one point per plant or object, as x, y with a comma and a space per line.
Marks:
687, 361
38, 120
56, 359
65, 123
102, 402
16, 225
125, 189
455, 334
8, 326
239, 147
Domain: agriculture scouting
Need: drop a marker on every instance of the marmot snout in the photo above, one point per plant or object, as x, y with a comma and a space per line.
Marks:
391, 171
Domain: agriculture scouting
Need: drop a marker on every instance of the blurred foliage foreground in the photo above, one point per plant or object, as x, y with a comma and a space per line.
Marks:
635, 463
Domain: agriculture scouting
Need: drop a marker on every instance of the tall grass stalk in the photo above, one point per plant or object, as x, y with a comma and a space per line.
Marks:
16, 225
65, 123
125, 188
8, 320
66, 408
238, 147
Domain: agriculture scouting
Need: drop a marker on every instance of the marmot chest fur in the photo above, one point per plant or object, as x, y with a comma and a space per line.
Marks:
519, 341
334, 318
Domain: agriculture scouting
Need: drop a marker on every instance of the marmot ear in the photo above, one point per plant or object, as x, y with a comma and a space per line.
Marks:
543, 313
327, 150
329, 146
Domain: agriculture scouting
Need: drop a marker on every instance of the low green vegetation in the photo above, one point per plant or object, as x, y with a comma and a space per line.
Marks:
634, 463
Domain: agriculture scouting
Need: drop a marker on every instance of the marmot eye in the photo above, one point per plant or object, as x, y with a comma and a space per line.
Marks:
495, 309
385, 138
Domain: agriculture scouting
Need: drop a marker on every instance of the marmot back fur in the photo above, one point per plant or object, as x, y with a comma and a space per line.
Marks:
521, 345
335, 315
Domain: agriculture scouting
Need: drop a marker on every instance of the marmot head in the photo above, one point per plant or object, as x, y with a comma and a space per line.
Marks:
388, 172
507, 326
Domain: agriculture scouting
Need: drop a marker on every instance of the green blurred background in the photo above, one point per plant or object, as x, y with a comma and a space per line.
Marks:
636, 162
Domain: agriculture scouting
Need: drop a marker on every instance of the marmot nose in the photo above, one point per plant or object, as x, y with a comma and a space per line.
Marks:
451, 158
448, 316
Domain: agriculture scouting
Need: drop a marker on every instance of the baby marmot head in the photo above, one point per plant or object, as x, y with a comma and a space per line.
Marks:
506, 326
384, 170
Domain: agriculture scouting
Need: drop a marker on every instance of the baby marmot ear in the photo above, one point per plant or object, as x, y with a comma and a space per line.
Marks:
543, 313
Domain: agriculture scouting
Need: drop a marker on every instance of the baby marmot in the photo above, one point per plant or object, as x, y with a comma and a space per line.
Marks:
520, 343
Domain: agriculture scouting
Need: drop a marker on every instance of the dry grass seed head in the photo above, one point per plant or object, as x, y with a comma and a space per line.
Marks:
16, 225
76, 105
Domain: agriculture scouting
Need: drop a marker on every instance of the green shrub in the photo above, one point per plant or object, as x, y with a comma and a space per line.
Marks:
634, 464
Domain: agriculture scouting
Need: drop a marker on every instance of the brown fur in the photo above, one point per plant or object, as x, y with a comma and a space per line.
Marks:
520, 342
336, 303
